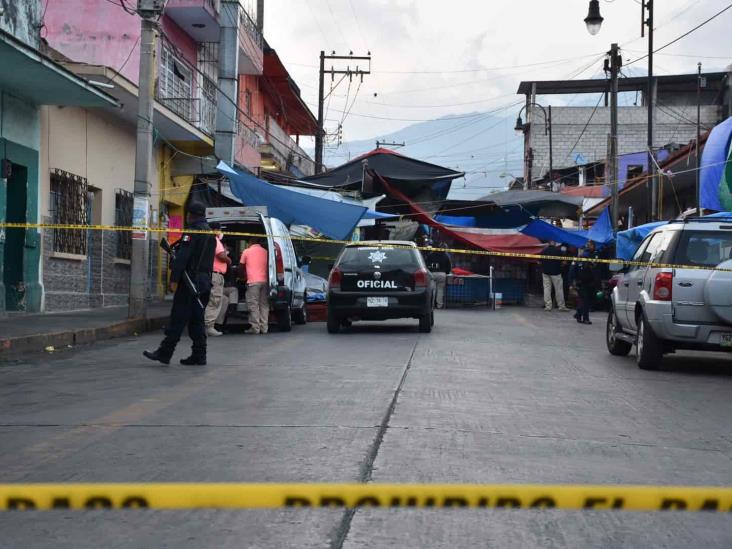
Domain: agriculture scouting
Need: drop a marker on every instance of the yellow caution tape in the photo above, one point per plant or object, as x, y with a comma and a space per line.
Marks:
508, 255
271, 496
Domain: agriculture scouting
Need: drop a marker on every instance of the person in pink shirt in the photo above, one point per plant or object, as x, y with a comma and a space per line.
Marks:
220, 266
253, 263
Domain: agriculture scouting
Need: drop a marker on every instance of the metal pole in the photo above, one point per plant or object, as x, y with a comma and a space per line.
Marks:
143, 161
698, 138
612, 159
651, 104
321, 133
227, 117
551, 161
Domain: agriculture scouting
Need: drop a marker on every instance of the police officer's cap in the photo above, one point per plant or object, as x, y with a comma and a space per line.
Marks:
196, 208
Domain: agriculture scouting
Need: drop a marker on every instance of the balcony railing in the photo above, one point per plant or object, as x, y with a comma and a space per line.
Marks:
201, 112
250, 27
246, 152
285, 150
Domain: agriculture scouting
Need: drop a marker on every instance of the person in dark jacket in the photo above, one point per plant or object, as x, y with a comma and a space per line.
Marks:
552, 277
194, 255
586, 280
439, 264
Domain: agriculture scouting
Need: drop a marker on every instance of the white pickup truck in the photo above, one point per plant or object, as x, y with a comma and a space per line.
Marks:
660, 310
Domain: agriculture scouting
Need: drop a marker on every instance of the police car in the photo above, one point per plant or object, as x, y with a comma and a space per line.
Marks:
380, 280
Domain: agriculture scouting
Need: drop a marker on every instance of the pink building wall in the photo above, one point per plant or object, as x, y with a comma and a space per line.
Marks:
99, 32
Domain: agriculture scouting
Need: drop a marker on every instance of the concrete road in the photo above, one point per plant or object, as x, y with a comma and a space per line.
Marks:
516, 395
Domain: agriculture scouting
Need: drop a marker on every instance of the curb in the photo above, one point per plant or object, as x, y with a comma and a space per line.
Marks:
14, 346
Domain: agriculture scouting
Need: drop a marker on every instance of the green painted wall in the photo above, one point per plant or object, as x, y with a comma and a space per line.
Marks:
19, 143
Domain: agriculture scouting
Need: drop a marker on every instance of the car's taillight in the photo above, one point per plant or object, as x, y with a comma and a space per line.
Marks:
279, 264
663, 287
421, 278
334, 280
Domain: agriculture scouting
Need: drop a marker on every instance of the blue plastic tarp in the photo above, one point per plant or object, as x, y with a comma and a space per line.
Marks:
507, 217
601, 232
549, 233
714, 195
334, 219
628, 241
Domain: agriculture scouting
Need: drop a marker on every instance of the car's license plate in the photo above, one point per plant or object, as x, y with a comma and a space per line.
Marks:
725, 340
377, 301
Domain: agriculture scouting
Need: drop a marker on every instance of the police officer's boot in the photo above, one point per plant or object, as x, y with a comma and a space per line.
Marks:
193, 360
198, 355
159, 354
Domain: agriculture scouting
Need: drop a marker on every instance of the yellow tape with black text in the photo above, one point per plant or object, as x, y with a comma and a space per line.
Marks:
269, 496
488, 253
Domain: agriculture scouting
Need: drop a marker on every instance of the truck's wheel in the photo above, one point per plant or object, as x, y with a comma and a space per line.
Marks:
284, 319
648, 347
615, 346
300, 316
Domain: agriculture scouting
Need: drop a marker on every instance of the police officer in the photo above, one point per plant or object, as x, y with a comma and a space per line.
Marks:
194, 255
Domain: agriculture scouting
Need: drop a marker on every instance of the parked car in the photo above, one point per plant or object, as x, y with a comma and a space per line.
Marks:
380, 280
286, 279
316, 288
663, 309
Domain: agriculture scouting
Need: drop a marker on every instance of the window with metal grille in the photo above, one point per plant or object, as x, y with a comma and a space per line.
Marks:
207, 75
176, 85
123, 203
69, 205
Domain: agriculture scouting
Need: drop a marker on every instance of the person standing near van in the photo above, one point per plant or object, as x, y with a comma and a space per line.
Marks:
253, 264
438, 262
221, 264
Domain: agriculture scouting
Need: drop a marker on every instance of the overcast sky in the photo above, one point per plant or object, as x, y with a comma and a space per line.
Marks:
434, 58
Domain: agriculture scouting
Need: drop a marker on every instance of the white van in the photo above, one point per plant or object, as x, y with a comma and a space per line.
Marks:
286, 279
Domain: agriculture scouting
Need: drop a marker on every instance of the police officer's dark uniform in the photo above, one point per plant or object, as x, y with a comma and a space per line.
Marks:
195, 255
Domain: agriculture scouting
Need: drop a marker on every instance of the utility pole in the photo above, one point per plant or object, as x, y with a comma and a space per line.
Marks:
615, 62
701, 82
226, 113
350, 72
389, 144
149, 11
647, 5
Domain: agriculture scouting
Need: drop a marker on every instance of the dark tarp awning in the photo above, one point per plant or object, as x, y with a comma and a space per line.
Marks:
539, 203
389, 165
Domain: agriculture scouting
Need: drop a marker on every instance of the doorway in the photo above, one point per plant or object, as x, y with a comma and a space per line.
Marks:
13, 268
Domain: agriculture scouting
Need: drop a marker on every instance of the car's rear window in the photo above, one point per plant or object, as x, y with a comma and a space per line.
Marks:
703, 248
366, 258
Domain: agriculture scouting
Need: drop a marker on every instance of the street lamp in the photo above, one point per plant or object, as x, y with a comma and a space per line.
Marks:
521, 127
594, 22
594, 19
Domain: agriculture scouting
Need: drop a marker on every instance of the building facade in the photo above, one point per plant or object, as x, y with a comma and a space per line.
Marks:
579, 134
29, 82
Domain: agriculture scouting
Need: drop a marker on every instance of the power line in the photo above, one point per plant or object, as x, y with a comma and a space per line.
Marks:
687, 33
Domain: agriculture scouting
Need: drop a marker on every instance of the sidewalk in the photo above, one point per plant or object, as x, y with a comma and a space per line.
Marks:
22, 333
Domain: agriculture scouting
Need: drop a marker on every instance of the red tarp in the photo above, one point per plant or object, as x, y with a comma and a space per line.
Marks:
511, 243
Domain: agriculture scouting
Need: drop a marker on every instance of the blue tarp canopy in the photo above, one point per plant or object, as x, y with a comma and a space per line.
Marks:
334, 219
628, 241
715, 194
549, 233
601, 232
507, 217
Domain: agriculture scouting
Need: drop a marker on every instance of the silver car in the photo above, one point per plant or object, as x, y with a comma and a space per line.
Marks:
661, 310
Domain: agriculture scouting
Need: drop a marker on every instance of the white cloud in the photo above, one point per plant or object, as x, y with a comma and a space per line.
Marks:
497, 40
